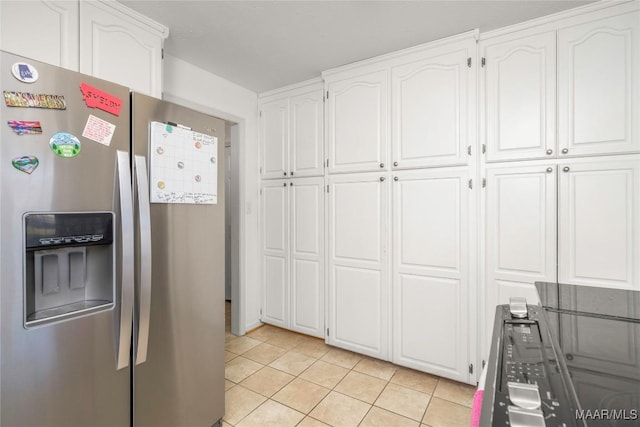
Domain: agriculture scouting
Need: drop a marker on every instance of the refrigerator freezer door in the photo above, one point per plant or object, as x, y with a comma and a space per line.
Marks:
59, 374
182, 380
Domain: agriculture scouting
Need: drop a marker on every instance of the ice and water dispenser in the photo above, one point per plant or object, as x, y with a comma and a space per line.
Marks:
69, 265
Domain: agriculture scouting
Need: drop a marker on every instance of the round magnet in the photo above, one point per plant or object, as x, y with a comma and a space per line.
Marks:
161, 185
26, 164
24, 72
65, 144
180, 165
198, 144
198, 178
159, 150
213, 160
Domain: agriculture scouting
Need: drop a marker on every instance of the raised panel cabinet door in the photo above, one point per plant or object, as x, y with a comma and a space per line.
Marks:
599, 227
358, 123
275, 253
307, 256
274, 139
430, 108
519, 88
431, 307
521, 233
307, 130
46, 31
116, 47
599, 86
358, 295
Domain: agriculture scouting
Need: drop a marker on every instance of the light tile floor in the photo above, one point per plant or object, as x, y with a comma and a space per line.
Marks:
276, 377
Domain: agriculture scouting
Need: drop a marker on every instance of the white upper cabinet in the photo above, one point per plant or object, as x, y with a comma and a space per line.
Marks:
432, 309
292, 132
431, 101
598, 86
358, 295
519, 86
46, 31
274, 138
357, 122
307, 133
599, 236
122, 46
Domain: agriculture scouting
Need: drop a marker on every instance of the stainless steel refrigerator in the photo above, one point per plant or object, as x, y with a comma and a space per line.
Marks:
111, 255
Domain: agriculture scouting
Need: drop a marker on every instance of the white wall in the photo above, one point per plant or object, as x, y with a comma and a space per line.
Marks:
196, 88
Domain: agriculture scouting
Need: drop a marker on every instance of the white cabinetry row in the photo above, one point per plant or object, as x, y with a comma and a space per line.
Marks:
99, 38
596, 78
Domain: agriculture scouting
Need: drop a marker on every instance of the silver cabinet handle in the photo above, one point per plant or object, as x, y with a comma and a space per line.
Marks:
549, 152
144, 230
565, 169
395, 163
382, 178
549, 170
381, 165
125, 203
395, 178
565, 150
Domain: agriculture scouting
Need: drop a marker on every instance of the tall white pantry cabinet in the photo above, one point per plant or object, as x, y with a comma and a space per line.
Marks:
292, 208
401, 128
456, 174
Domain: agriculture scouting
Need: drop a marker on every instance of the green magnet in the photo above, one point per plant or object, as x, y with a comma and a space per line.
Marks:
65, 144
26, 164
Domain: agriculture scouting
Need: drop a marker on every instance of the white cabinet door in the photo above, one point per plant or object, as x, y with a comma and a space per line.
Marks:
358, 294
275, 253
358, 123
307, 130
307, 260
599, 233
599, 86
520, 233
431, 306
519, 96
43, 30
430, 104
117, 47
274, 138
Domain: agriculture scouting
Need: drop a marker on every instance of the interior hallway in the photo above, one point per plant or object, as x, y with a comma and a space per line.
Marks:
276, 377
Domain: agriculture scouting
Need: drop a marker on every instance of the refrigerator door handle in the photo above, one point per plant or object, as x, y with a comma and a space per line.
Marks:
144, 215
127, 262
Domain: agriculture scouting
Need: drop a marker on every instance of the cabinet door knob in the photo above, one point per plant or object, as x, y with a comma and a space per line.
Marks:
395, 163
290, 184
382, 178
285, 184
549, 170
381, 165
566, 168
565, 150
395, 178
291, 173
285, 174
549, 152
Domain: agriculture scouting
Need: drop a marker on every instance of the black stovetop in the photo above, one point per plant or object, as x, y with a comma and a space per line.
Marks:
598, 333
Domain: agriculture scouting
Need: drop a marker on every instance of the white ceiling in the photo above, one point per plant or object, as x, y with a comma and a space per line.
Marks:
263, 45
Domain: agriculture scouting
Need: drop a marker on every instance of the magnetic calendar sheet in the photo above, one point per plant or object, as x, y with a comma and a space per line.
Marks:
183, 165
